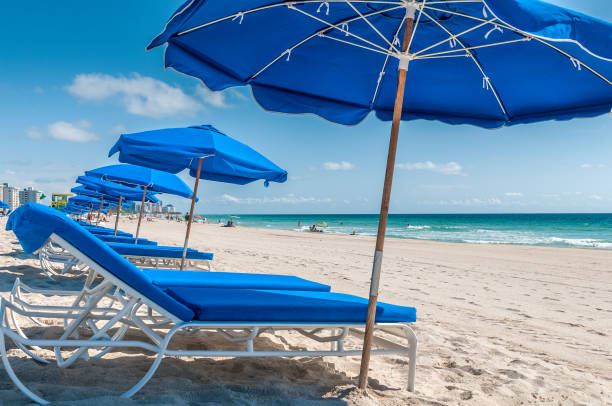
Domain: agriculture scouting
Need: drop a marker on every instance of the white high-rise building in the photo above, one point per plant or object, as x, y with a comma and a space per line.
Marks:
29, 195
10, 195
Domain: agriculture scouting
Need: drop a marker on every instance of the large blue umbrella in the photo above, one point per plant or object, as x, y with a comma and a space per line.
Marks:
488, 63
205, 151
149, 179
175, 149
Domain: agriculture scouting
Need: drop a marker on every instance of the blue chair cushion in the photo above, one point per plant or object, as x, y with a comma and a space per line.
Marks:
158, 251
125, 240
34, 223
230, 280
250, 305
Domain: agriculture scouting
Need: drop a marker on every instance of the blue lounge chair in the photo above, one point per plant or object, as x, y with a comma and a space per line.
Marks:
319, 316
125, 240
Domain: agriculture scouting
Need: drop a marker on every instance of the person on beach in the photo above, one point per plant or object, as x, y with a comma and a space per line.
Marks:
353, 233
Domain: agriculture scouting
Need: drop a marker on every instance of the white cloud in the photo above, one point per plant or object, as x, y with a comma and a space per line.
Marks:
449, 168
34, 133
492, 201
140, 95
10, 172
74, 132
118, 130
595, 197
215, 99
513, 194
338, 166
289, 199
589, 166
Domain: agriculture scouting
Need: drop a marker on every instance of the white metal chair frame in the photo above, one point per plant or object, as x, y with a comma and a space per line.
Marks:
126, 310
55, 261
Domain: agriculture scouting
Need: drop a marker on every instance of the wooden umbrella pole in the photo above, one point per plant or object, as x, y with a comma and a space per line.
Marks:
384, 212
193, 199
144, 194
100, 209
89, 216
118, 214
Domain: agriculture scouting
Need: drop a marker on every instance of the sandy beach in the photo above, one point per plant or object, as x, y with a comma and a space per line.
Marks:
497, 325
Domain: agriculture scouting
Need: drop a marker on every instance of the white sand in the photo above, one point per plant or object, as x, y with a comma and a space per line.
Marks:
498, 325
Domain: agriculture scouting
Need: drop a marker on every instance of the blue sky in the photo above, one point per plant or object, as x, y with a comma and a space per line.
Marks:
75, 74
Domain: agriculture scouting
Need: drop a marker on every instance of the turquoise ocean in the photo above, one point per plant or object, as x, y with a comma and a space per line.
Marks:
559, 230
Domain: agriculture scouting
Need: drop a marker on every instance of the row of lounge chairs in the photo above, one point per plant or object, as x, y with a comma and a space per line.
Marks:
142, 252
118, 296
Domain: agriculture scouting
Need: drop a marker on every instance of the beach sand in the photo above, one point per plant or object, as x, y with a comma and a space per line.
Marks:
497, 325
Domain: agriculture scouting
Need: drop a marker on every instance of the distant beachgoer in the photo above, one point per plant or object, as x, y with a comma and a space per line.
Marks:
299, 224
353, 233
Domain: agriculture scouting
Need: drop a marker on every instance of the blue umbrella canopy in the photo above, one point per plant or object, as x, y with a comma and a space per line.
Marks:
175, 149
154, 180
114, 189
108, 200
483, 62
488, 63
4, 205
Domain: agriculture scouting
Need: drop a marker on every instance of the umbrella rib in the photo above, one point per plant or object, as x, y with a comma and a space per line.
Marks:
355, 45
281, 4
455, 36
372, 26
475, 47
416, 25
316, 34
501, 105
384, 67
340, 28
534, 37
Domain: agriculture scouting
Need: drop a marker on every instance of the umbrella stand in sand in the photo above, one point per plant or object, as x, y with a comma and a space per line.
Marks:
489, 63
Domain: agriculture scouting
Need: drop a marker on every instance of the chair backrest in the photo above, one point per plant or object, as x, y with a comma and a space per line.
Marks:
34, 223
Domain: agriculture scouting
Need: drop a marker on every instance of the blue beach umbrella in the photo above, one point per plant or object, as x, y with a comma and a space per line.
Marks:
4, 205
488, 63
108, 200
204, 150
149, 179
116, 191
134, 175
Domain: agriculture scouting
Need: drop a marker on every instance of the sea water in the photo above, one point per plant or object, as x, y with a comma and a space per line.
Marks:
562, 230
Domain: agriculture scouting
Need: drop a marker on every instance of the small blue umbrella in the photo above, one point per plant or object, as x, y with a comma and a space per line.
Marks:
117, 190
205, 151
488, 63
4, 205
114, 189
149, 179
135, 175
108, 200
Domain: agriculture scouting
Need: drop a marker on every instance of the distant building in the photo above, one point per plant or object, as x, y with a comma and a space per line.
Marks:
168, 209
10, 195
29, 195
